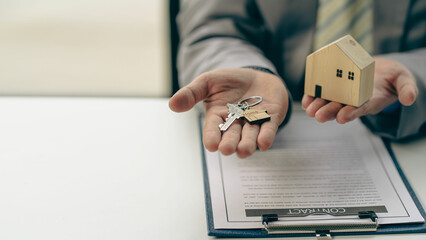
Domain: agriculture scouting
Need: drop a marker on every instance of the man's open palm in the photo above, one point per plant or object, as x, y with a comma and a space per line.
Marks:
219, 87
392, 81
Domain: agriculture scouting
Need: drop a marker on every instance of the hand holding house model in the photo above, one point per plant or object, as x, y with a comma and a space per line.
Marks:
341, 71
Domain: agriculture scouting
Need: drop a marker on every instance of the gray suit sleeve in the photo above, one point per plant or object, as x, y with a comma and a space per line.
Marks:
220, 34
405, 121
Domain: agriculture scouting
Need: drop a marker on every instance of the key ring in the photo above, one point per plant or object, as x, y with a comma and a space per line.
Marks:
243, 103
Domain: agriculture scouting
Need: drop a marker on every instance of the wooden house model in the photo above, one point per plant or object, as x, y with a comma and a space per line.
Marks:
341, 71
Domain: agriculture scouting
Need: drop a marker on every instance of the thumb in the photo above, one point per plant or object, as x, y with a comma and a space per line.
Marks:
406, 88
188, 96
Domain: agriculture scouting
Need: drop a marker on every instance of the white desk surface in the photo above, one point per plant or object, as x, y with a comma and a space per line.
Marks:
93, 168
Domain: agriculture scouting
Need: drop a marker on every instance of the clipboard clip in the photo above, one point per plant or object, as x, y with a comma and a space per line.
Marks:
366, 222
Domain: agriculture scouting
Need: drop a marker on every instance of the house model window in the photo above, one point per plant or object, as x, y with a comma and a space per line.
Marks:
351, 75
339, 73
350, 59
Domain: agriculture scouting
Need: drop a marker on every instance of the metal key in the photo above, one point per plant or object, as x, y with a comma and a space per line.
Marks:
235, 111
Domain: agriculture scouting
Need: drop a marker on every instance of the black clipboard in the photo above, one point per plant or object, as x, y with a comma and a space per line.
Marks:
258, 233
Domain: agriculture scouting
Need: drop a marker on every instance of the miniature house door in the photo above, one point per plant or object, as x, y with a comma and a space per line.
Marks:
318, 91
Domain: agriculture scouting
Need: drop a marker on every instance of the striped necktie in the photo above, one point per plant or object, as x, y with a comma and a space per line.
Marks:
336, 18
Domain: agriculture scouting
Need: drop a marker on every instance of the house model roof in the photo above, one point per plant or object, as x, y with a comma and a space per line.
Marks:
353, 50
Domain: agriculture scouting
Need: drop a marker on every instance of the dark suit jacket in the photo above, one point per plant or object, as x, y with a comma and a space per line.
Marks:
278, 35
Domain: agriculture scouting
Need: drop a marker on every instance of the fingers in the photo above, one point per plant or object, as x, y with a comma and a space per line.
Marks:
230, 139
244, 139
328, 112
306, 101
267, 133
182, 100
248, 143
188, 96
406, 88
211, 132
372, 106
315, 105
349, 113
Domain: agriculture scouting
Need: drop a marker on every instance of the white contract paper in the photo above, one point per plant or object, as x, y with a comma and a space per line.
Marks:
312, 167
